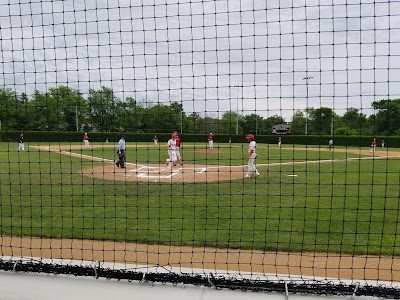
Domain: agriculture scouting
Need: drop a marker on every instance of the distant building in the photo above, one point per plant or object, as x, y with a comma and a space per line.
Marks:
281, 129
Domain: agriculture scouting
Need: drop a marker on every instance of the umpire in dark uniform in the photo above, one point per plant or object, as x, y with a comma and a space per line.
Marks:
121, 153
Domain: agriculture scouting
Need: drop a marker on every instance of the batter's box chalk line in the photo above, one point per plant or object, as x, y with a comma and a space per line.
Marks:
149, 171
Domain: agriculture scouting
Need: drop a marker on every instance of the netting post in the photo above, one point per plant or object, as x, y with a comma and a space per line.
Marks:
286, 291
355, 290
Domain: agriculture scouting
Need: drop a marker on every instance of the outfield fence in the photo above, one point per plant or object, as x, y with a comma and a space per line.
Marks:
314, 210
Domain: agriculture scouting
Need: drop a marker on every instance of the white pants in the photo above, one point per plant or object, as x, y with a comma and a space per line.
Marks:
211, 144
279, 144
21, 147
86, 142
155, 142
372, 149
178, 153
172, 157
251, 166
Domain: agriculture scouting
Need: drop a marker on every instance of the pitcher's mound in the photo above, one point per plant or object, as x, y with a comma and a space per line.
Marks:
162, 173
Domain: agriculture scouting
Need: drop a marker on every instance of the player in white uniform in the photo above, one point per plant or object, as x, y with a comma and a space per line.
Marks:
251, 158
171, 145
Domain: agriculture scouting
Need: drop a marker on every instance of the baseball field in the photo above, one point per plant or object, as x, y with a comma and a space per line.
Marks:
307, 199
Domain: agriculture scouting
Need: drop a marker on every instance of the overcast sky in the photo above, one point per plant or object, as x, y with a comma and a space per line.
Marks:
213, 56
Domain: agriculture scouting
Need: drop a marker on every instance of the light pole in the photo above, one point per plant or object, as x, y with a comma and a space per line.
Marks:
237, 110
306, 79
76, 116
181, 121
306, 130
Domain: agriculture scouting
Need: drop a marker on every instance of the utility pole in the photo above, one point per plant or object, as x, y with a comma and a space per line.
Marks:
237, 110
181, 121
76, 116
306, 79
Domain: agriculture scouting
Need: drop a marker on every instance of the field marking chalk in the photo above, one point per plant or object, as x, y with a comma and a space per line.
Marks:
202, 171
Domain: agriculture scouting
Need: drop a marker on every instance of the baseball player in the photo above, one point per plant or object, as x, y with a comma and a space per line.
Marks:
155, 139
171, 146
280, 142
86, 140
383, 143
178, 144
373, 145
121, 153
251, 158
211, 141
330, 144
21, 146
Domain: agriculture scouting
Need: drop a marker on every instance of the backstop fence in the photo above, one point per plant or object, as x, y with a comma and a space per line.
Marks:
193, 142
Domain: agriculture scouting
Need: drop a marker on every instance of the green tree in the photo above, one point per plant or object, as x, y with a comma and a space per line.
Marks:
157, 119
195, 123
320, 121
210, 124
387, 118
70, 106
355, 120
345, 131
255, 124
130, 115
298, 124
176, 116
9, 109
270, 122
227, 124
22, 117
103, 109
44, 112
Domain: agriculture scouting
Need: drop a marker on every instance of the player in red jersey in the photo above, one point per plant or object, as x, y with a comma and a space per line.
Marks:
373, 145
86, 140
178, 144
211, 141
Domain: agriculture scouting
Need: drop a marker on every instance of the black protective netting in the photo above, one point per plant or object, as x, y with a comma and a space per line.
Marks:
237, 144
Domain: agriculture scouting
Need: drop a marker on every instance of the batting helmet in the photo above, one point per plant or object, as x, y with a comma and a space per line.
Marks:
250, 137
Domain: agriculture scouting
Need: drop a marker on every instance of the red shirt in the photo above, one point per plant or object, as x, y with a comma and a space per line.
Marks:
177, 141
86, 137
210, 137
155, 138
373, 143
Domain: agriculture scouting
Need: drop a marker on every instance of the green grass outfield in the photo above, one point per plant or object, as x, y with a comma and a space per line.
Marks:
348, 206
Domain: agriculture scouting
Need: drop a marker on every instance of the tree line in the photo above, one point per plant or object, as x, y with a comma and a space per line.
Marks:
66, 108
